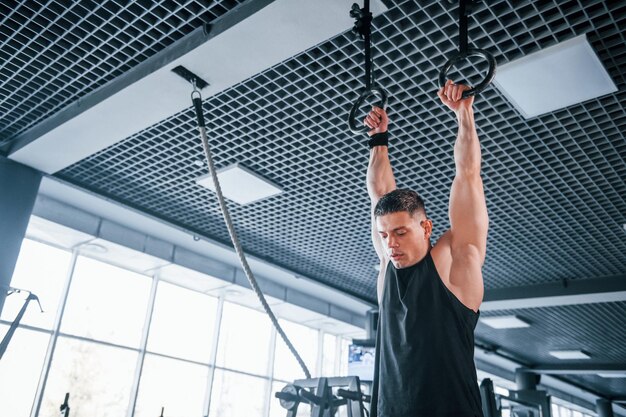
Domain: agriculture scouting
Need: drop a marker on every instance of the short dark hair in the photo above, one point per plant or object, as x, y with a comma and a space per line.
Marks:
399, 200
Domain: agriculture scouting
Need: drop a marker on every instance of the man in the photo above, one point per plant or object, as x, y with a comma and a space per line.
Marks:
429, 296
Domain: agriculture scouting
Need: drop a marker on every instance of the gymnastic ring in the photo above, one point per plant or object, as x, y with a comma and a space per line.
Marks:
459, 57
357, 127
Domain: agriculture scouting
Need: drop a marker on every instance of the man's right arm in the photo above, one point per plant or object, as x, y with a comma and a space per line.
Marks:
380, 181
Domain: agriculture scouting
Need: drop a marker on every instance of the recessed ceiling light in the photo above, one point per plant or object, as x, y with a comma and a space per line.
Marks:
612, 375
232, 293
569, 354
505, 322
615, 375
240, 184
556, 77
94, 248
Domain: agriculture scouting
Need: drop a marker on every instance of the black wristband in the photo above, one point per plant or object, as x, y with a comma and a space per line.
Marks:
379, 139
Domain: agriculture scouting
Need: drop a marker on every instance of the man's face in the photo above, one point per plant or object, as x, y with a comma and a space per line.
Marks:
406, 238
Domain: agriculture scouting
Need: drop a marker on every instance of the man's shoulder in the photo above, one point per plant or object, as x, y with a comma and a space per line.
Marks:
441, 253
442, 249
468, 291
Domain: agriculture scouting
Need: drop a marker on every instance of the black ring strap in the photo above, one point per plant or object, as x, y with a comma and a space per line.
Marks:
363, 29
465, 52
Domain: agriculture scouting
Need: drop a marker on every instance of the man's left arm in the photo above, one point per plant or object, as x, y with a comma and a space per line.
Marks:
468, 210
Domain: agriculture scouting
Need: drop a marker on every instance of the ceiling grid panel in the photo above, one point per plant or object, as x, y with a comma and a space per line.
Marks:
554, 183
52, 54
553, 328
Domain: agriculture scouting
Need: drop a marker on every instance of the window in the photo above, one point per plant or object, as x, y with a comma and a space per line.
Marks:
20, 368
180, 387
106, 303
237, 395
41, 269
182, 323
329, 355
98, 378
244, 342
345, 355
96, 355
304, 339
560, 408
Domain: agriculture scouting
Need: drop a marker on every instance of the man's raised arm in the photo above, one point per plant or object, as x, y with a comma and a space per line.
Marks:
380, 179
468, 210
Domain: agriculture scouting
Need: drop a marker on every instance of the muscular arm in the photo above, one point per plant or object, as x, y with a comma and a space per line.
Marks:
468, 210
380, 181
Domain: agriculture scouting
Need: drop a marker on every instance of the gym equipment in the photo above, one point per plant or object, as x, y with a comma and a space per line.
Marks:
322, 400
18, 318
465, 52
65, 407
196, 99
488, 397
363, 29
521, 403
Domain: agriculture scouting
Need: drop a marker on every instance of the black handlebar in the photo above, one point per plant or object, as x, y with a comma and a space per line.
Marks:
363, 29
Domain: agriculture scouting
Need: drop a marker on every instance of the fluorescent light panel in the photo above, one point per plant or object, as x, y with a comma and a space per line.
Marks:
615, 375
505, 322
240, 184
569, 354
563, 75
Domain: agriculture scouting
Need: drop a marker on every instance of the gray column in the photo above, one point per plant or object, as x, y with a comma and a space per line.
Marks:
18, 189
604, 408
526, 380
371, 324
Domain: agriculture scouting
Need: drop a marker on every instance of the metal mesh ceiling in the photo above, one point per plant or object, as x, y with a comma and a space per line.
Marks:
54, 52
555, 184
598, 329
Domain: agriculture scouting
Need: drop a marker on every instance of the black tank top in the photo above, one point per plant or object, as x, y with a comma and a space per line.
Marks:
424, 348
